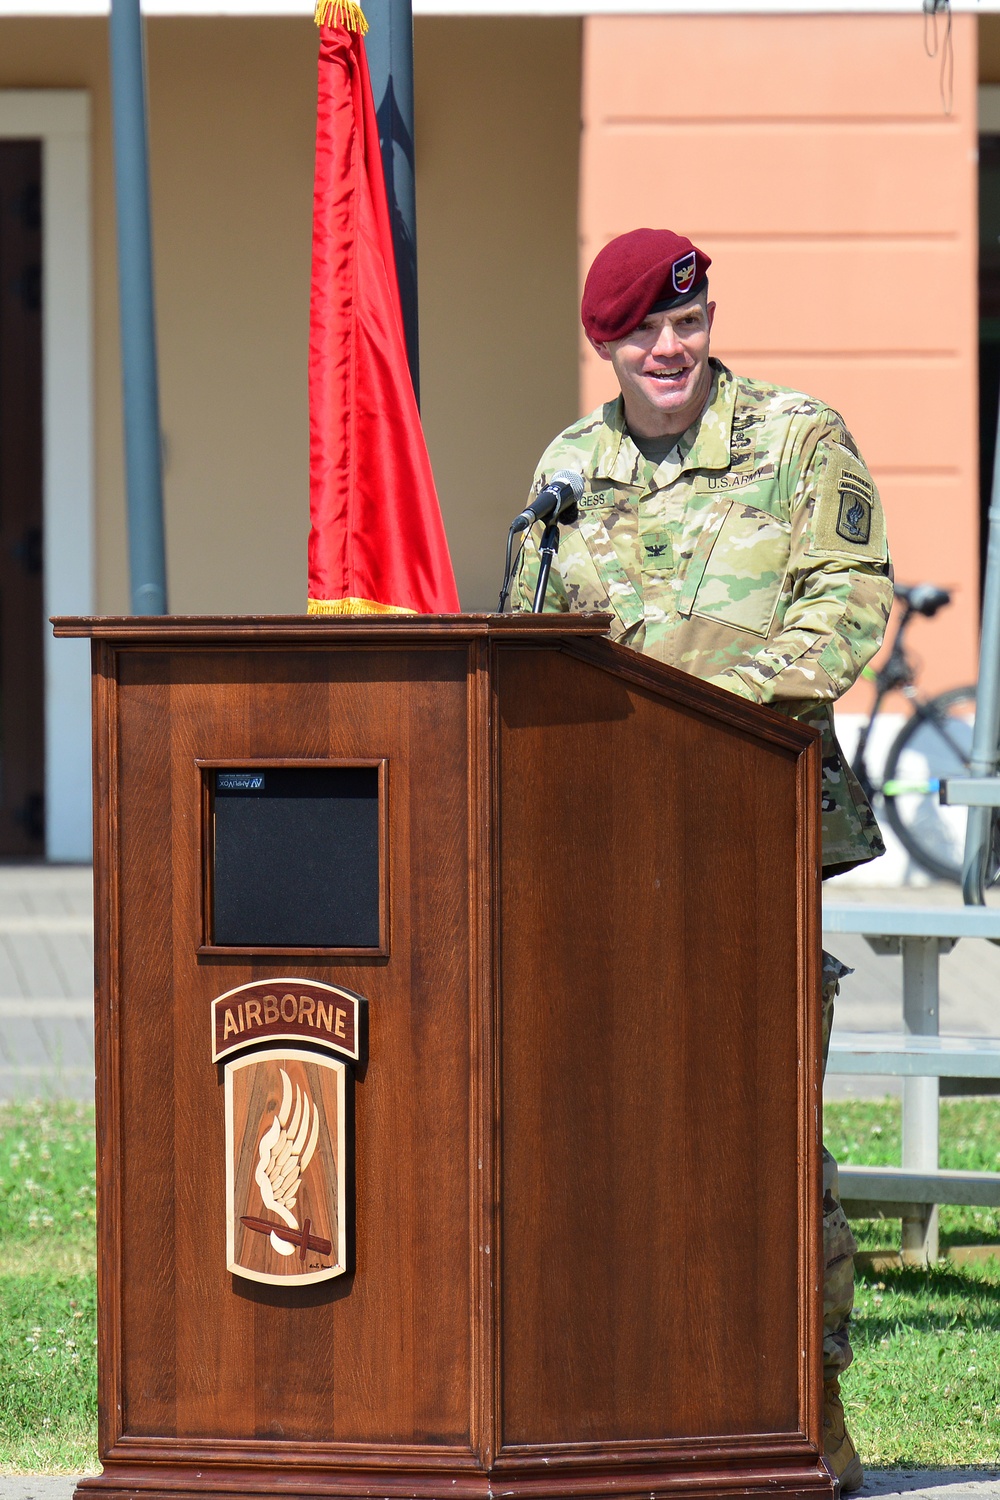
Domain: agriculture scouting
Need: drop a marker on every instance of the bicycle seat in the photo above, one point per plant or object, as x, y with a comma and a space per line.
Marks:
923, 598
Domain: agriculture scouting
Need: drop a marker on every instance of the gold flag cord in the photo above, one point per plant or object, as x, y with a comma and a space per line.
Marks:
346, 13
354, 607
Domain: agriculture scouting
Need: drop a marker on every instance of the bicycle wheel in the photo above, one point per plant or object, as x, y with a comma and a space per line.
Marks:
933, 744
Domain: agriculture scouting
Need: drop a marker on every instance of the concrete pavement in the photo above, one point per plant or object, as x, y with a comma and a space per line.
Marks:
931, 1484
915, 1484
46, 982
872, 998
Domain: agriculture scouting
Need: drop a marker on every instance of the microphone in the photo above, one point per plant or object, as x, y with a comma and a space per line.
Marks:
553, 502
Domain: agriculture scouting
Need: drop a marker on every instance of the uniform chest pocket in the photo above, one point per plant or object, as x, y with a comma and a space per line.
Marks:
735, 577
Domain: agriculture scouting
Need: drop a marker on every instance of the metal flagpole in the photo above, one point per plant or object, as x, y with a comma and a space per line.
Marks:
140, 390
986, 730
389, 47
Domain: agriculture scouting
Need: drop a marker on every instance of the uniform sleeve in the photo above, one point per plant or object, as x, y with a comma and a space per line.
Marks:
840, 580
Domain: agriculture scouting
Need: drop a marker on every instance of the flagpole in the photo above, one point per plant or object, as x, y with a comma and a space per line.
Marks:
140, 389
389, 47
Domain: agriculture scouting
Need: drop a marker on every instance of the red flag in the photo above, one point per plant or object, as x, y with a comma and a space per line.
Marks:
377, 541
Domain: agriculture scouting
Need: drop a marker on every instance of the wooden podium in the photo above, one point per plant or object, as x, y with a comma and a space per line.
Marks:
559, 925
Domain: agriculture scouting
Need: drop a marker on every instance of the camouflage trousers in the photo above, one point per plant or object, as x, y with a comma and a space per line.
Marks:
838, 1241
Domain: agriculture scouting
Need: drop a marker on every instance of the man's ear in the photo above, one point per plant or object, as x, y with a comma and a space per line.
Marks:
603, 349
710, 314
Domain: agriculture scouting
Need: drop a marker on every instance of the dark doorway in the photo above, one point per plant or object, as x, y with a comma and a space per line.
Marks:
22, 741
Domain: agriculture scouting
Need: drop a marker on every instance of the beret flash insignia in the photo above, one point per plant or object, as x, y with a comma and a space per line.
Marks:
682, 272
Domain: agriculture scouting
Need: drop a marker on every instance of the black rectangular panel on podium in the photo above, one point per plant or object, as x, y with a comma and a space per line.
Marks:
294, 853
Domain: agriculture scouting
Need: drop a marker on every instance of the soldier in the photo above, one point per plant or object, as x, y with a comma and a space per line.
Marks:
732, 530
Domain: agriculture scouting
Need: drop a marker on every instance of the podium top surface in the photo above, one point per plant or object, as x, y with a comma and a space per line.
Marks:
199, 633
306, 629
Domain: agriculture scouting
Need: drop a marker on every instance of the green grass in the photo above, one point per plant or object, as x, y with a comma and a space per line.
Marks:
48, 1300
866, 1133
924, 1388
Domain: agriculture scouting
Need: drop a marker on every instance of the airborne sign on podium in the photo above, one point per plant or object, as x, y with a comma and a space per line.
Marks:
288, 1127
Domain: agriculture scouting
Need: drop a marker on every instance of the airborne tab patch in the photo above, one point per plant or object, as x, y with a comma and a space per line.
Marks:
848, 518
854, 522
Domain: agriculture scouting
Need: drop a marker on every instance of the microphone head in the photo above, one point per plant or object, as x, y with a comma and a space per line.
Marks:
552, 502
572, 479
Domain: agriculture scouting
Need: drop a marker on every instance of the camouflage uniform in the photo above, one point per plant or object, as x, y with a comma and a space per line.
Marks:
753, 556
839, 1243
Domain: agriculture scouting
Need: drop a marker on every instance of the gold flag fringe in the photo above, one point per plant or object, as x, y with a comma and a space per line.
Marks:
354, 607
341, 13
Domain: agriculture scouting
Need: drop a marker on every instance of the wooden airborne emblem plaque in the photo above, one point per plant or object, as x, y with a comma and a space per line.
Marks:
288, 1126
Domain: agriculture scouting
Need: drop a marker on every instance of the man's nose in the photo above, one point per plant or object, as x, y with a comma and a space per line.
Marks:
667, 341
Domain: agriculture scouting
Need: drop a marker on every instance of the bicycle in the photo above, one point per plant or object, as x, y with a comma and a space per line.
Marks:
933, 744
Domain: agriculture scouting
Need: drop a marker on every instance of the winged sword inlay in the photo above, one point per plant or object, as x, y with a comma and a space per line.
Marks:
288, 1135
286, 1149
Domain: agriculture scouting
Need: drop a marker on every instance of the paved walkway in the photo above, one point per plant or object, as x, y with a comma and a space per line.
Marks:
916, 1484
872, 998
46, 982
934, 1484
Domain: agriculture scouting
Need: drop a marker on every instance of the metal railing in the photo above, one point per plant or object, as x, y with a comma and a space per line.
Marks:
921, 1057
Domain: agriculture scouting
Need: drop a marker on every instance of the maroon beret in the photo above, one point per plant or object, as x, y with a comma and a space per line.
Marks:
640, 272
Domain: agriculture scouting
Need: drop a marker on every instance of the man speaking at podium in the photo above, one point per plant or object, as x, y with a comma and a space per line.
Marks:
733, 531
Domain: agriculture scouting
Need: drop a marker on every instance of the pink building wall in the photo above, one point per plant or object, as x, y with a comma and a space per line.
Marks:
811, 157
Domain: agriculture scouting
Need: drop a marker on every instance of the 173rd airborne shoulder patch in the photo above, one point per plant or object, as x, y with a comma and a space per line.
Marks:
848, 517
289, 1131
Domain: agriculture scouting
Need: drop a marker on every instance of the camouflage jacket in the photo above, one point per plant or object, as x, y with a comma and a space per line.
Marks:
753, 556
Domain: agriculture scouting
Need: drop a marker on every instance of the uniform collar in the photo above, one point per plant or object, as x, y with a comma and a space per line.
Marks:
705, 445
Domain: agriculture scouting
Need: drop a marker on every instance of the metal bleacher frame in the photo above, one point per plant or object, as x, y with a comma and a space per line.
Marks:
921, 1057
